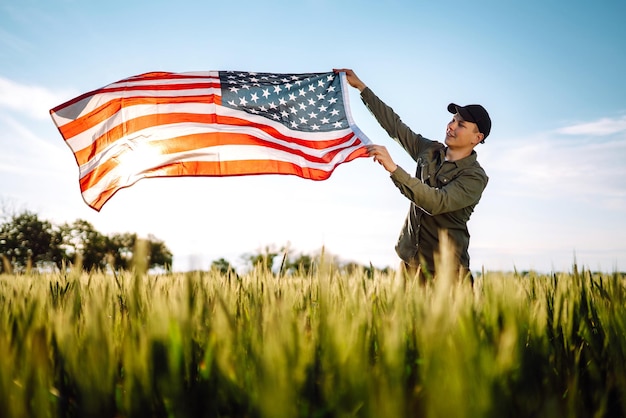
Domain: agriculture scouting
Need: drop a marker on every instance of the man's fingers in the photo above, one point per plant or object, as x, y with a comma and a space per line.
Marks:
373, 149
376, 150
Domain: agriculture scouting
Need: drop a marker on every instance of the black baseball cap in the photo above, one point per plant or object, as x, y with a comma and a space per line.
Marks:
473, 113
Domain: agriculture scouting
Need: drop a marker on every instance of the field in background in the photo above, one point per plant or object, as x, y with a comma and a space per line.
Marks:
328, 344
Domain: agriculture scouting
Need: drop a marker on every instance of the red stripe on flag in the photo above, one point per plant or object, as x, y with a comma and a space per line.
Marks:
218, 168
163, 75
181, 145
112, 107
125, 85
144, 122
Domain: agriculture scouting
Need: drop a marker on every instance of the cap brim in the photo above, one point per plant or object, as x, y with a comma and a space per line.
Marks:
455, 108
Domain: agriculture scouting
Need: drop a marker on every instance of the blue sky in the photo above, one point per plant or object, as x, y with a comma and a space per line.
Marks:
550, 73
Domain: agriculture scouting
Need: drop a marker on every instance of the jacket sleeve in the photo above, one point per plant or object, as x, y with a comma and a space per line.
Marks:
413, 143
462, 191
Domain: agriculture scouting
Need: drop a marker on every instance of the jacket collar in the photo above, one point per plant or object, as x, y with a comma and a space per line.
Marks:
463, 162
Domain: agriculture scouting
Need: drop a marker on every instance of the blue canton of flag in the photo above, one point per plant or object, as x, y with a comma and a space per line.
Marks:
304, 102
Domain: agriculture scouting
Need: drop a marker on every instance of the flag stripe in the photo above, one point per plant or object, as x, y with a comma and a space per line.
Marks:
113, 107
218, 134
231, 152
111, 177
165, 124
98, 197
145, 83
150, 124
202, 140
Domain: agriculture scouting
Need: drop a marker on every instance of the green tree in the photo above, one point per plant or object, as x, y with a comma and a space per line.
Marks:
160, 256
222, 266
122, 247
26, 241
264, 258
302, 264
82, 244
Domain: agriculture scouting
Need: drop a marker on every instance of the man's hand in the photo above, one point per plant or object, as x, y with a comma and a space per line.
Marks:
382, 157
352, 78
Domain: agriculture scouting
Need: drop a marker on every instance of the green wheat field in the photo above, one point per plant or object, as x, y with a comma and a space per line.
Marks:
323, 344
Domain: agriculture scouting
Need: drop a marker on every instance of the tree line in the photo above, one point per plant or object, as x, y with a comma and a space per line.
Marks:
28, 242
283, 261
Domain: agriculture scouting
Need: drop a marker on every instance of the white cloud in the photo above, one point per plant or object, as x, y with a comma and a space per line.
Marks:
601, 127
553, 166
552, 198
31, 150
34, 101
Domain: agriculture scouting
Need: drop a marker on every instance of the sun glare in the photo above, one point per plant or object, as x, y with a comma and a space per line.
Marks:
138, 158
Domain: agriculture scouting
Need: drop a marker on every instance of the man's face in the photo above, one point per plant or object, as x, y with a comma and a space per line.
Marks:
462, 134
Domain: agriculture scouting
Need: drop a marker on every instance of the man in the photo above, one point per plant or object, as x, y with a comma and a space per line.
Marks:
447, 185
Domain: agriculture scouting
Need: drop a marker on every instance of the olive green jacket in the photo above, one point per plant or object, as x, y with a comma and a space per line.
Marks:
443, 194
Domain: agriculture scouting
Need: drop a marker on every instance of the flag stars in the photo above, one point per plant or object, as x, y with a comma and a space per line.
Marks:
305, 103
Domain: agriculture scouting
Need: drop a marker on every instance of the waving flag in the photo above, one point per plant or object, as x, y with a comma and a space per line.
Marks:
214, 123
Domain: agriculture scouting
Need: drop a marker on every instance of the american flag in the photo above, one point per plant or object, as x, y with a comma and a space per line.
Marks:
212, 123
